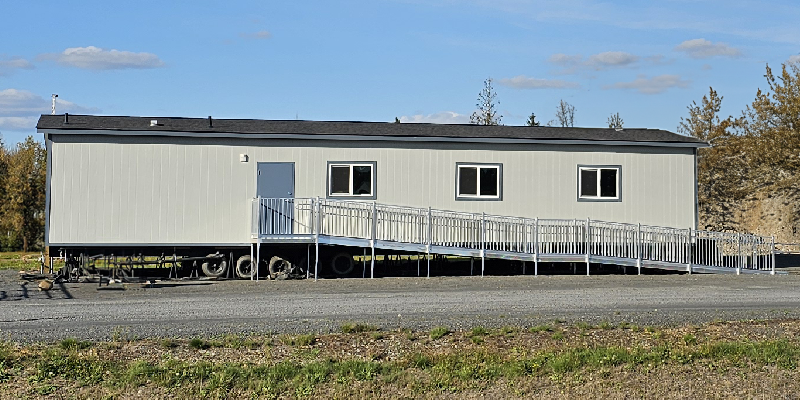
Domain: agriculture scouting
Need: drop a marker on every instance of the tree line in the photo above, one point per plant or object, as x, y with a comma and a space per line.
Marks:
487, 114
23, 170
754, 154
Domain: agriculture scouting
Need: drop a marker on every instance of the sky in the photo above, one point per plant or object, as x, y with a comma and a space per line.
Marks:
374, 60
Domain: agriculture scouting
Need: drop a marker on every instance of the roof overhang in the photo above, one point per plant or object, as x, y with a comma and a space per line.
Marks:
340, 137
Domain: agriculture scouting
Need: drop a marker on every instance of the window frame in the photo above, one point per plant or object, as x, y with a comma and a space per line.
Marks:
478, 196
600, 198
350, 196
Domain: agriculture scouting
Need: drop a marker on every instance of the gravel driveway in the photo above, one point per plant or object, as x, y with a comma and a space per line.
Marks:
203, 308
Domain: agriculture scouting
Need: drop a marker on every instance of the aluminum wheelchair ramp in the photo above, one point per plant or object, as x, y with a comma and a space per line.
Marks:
429, 231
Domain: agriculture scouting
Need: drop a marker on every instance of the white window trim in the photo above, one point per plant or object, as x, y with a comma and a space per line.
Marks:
478, 196
350, 194
598, 169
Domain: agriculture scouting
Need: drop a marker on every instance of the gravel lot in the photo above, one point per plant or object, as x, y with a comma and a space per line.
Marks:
204, 308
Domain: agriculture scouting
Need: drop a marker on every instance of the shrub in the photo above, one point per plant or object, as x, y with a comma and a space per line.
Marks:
439, 332
198, 344
541, 328
357, 328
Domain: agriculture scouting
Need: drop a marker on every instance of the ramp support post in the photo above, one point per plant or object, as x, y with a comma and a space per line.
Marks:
372, 242
258, 257
430, 241
739, 258
691, 254
483, 242
772, 255
536, 246
316, 229
588, 245
639, 248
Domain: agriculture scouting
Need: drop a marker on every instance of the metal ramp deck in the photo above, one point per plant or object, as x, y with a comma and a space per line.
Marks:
428, 231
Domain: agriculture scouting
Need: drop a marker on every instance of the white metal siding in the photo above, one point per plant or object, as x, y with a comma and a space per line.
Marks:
162, 190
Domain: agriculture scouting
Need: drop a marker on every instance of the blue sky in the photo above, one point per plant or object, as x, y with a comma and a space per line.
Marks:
375, 60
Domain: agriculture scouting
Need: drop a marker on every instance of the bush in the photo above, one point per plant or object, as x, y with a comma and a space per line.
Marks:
439, 332
357, 328
198, 344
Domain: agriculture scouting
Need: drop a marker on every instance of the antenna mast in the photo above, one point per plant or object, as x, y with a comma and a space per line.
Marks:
54, 104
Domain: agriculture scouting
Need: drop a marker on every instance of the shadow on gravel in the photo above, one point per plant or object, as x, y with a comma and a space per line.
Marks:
172, 285
58, 292
448, 266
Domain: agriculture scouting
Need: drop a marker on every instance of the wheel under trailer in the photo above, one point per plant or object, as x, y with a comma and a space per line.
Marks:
278, 261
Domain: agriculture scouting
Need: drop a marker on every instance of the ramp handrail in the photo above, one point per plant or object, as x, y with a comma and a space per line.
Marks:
282, 217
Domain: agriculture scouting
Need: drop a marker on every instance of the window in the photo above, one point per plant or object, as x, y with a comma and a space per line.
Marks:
479, 181
599, 183
351, 180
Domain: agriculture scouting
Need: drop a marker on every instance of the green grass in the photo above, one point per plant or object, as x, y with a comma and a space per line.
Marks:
46, 369
358, 328
15, 261
605, 325
541, 328
74, 344
199, 344
439, 332
299, 340
478, 331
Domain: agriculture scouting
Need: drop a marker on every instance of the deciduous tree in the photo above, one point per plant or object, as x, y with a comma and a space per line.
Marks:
486, 114
565, 114
23, 208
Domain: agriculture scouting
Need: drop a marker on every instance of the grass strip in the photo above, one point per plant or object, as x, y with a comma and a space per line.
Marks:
77, 364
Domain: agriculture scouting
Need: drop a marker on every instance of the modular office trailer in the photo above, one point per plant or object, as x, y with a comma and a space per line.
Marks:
117, 183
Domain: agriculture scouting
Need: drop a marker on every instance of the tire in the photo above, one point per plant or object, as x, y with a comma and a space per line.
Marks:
279, 267
342, 264
216, 267
244, 267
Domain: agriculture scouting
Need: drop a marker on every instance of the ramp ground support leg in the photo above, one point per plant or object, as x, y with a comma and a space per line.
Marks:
258, 259
428, 257
316, 229
372, 242
588, 246
536, 247
639, 248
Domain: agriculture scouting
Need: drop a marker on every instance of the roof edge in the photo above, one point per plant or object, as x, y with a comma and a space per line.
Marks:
340, 137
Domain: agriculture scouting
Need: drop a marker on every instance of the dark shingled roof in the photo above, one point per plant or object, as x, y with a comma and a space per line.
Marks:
383, 129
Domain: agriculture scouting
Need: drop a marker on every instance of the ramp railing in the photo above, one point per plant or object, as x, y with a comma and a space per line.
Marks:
494, 235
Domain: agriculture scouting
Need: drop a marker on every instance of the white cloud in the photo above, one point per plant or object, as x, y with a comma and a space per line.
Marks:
524, 82
444, 117
794, 59
96, 58
20, 109
256, 35
610, 59
8, 66
701, 48
565, 60
750, 19
17, 123
654, 85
